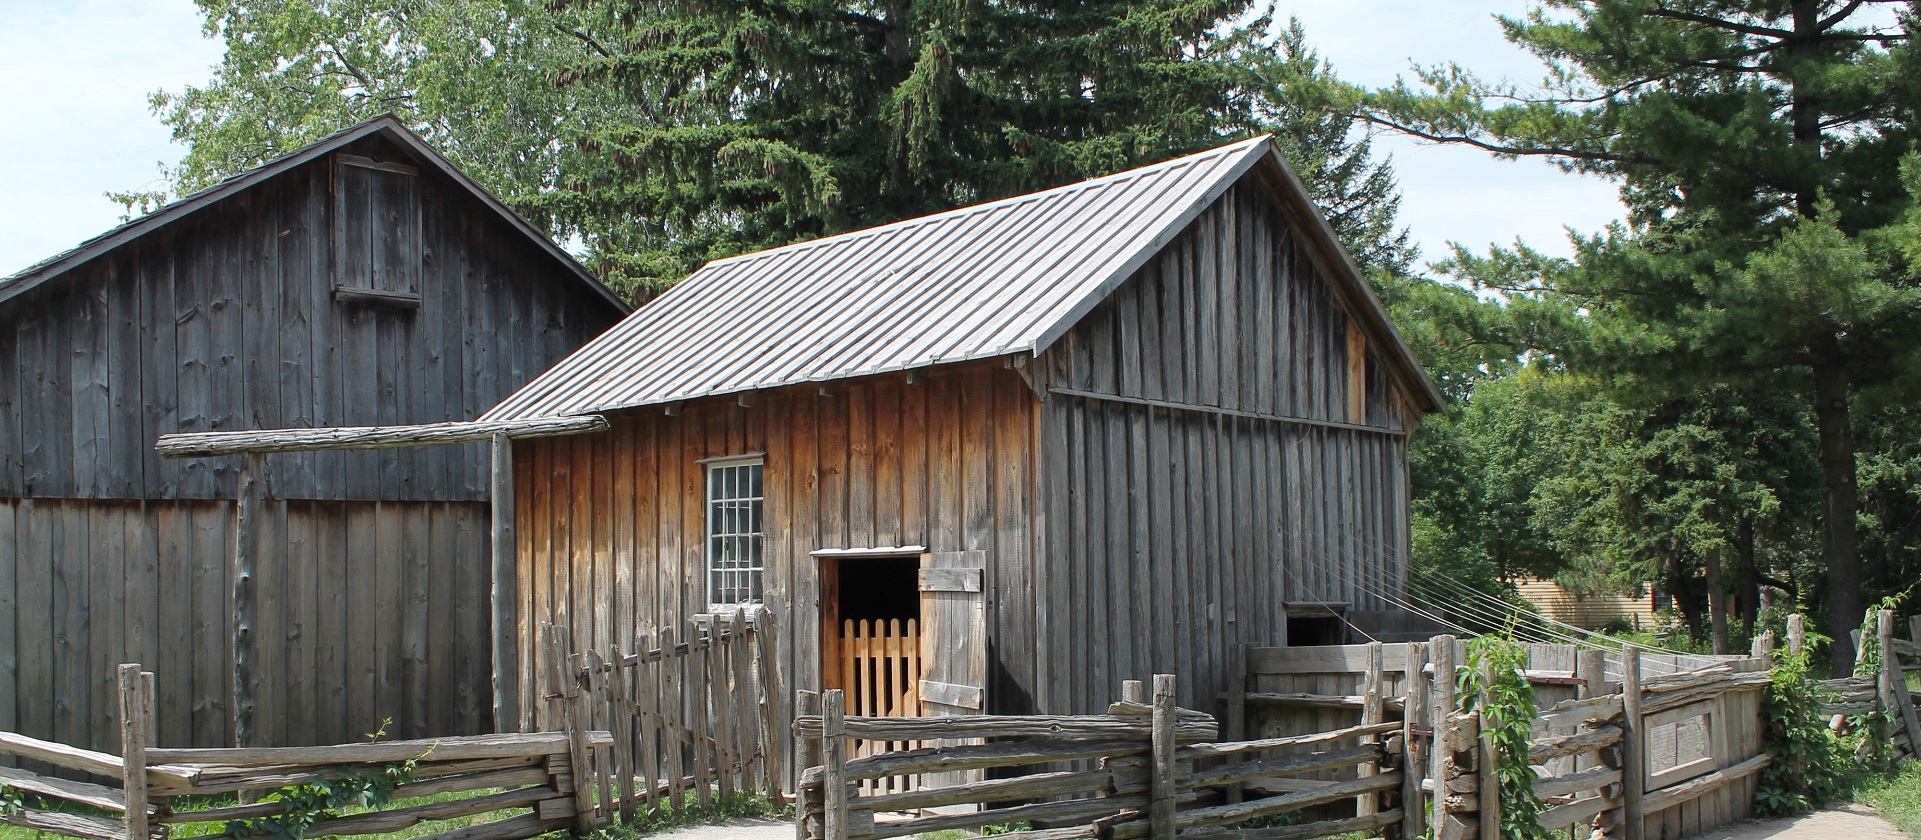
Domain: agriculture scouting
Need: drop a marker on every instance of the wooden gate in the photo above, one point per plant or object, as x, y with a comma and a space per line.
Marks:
880, 667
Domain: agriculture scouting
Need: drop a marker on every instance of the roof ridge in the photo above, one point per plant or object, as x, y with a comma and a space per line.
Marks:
996, 204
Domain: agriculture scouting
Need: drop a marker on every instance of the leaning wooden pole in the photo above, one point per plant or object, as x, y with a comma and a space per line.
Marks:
246, 548
506, 663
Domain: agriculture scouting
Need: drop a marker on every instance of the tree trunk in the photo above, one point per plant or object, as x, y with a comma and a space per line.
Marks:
1717, 602
1750, 600
1840, 548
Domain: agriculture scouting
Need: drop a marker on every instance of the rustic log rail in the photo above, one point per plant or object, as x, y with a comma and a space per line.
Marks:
527, 780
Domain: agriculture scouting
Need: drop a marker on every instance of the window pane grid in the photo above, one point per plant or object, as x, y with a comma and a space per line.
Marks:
734, 533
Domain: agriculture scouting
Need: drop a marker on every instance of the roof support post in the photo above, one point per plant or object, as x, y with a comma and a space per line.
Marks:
505, 590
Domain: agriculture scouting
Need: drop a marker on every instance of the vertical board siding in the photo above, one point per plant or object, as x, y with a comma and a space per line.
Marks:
133, 581
1186, 530
942, 462
372, 566
226, 320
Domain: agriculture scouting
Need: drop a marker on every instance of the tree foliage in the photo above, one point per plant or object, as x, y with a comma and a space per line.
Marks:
1755, 145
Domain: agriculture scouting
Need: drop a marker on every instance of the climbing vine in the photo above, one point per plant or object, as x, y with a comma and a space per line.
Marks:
10, 803
309, 804
1811, 763
1873, 753
1509, 711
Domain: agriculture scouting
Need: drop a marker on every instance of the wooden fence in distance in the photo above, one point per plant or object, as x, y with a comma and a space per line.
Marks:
145, 791
687, 719
1669, 743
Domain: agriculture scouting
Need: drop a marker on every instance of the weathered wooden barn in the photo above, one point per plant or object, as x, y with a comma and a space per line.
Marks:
1073, 437
362, 280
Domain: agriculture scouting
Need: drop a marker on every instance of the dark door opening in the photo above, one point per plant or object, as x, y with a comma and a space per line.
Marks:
1311, 630
870, 632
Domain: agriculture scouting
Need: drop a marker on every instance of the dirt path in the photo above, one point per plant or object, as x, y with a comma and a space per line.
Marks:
740, 830
1844, 822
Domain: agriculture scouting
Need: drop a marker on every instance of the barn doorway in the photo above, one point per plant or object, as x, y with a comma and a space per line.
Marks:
870, 642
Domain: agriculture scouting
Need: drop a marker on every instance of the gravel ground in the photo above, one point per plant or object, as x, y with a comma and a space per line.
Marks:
744, 830
1846, 822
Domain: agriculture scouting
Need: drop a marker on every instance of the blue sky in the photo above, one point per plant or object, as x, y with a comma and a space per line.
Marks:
75, 76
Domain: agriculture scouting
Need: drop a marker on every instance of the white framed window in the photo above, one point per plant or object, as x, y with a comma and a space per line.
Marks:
734, 531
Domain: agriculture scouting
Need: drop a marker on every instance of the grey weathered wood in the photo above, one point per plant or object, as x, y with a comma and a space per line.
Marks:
207, 444
1896, 681
245, 564
1633, 746
1161, 804
834, 764
808, 754
1235, 726
503, 591
1441, 712
136, 723
1414, 767
1797, 634
1373, 708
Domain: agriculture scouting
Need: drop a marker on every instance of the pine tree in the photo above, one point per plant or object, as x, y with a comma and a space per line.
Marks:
1756, 145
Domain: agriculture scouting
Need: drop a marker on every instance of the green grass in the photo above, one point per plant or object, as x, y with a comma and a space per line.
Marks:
1897, 797
667, 818
198, 803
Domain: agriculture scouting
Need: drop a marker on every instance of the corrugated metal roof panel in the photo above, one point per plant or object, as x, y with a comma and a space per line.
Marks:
989, 280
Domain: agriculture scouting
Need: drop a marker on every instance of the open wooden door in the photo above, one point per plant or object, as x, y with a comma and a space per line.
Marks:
953, 633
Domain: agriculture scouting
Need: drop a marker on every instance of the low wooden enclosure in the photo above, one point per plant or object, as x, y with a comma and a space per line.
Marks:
1879, 698
1672, 741
686, 719
528, 779
1144, 769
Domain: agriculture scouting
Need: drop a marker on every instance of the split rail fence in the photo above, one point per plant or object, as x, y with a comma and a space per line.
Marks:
686, 720
528, 779
1880, 700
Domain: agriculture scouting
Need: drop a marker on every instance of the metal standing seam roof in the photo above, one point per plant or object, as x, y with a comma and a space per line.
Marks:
995, 279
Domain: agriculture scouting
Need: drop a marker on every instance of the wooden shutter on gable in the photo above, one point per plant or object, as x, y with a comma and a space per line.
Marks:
953, 636
376, 231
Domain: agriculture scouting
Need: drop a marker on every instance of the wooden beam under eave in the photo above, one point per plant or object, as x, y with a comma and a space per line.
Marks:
261, 442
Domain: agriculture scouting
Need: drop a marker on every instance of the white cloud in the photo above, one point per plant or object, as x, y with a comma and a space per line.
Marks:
74, 80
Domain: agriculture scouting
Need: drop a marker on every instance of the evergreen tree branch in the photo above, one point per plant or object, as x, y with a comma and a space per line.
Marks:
1720, 23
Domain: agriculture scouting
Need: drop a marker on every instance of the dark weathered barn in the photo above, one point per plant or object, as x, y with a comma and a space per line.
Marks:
1075, 437
361, 280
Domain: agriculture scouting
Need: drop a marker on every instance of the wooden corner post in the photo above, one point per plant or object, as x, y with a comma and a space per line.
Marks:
1235, 727
808, 808
504, 587
1160, 808
833, 742
1634, 767
1413, 766
1373, 709
1440, 714
1797, 634
136, 734
1487, 759
246, 549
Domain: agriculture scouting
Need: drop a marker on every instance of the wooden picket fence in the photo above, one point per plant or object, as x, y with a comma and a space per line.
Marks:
691, 719
146, 791
880, 667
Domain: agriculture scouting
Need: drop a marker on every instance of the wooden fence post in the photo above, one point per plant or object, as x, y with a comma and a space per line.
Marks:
136, 727
1133, 691
1633, 746
767, 642
1896, 681
1235, 727
246, 532
1441, 712
1160, 808
1373, 708
1797, 634
579, 763
807, 753
1488, 760
502, 591
833, 737
1413, 719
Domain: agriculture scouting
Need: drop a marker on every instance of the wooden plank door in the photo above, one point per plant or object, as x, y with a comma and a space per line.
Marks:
953, 633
